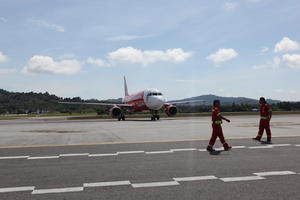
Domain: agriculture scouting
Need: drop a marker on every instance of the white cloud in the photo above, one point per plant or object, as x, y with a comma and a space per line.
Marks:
3, 19
292, 60
230, 5
270, 65
264, 50
3, 58
286, 44
45, 24
132, 55
98, 62
222, 55
128, 37
46, 65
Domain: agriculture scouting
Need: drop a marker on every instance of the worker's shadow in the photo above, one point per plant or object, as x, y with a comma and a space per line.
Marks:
216, 152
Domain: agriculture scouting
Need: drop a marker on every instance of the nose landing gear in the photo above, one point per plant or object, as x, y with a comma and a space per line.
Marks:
154, 115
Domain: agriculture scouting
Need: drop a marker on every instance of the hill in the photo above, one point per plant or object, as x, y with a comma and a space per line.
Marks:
31, 102
208, 100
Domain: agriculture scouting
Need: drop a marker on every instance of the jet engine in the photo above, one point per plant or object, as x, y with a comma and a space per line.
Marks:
171, 110
115, 112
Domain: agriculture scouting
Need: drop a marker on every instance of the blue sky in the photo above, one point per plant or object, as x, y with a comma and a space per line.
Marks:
248, 48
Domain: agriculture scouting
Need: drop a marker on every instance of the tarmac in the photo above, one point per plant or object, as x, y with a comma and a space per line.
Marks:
55, 158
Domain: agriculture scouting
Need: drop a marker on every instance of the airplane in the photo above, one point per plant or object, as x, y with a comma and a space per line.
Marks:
147, 100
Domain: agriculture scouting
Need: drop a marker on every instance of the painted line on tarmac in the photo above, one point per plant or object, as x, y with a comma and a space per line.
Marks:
238, 147
158, 152
279, 145
57, 190
103, 155
155, 184
73, 154
129, 152
243, 178
16, 189
274, 173
195, 178
105, 184
174, 182
43, 157
187, 149
132, 142
260, 147
13, 157
137, 152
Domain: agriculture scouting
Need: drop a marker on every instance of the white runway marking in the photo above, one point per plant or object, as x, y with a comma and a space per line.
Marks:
238, 147
158, 152
58, 190
13, 157
195, 178
130, 152
244, 178
73, 154
155, 184
141, 152
43, 157
103, 155
274, 173
187, 149
279, 145
202, 150
16, 189
261, 147
104, 184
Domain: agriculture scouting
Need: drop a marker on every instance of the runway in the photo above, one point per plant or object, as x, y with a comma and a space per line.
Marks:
128, 168
60, 131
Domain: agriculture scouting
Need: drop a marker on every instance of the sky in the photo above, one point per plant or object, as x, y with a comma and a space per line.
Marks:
71, 48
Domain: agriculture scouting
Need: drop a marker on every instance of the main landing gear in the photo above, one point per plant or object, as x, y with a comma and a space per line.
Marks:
154, 115
121, 117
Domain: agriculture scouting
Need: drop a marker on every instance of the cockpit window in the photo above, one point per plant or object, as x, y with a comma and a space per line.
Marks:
154, 94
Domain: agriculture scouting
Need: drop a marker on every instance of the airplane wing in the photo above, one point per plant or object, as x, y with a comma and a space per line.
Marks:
183, 102
99, 104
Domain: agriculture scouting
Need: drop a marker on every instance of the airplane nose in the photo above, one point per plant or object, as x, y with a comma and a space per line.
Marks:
156, 103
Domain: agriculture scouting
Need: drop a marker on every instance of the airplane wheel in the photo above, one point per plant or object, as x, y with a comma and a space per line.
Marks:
123, 118
157, 117
119, 118
152, 118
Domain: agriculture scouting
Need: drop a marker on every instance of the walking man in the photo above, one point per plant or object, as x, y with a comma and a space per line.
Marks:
264, 123
217, 128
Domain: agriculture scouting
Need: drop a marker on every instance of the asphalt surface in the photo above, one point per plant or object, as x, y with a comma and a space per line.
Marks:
140, 169
59, 131
149, 171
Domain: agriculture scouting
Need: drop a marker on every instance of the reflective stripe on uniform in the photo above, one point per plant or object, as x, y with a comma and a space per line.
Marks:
264, 117
218, 122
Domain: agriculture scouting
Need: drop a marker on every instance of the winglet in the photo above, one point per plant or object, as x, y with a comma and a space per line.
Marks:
125, 87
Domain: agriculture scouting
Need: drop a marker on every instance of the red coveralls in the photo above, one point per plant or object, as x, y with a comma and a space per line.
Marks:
216, 128
264, 122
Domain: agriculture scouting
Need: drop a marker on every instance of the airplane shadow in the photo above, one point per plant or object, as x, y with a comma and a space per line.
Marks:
141, 120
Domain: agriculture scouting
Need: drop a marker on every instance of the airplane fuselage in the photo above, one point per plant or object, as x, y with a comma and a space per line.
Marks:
150, 99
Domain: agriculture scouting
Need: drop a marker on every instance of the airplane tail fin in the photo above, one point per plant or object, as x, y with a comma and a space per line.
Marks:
125, 87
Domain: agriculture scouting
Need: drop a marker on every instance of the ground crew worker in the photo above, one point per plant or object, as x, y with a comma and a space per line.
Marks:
264, 123
216, 118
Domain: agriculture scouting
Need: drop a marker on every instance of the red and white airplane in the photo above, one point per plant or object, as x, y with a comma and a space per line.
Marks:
147, 100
